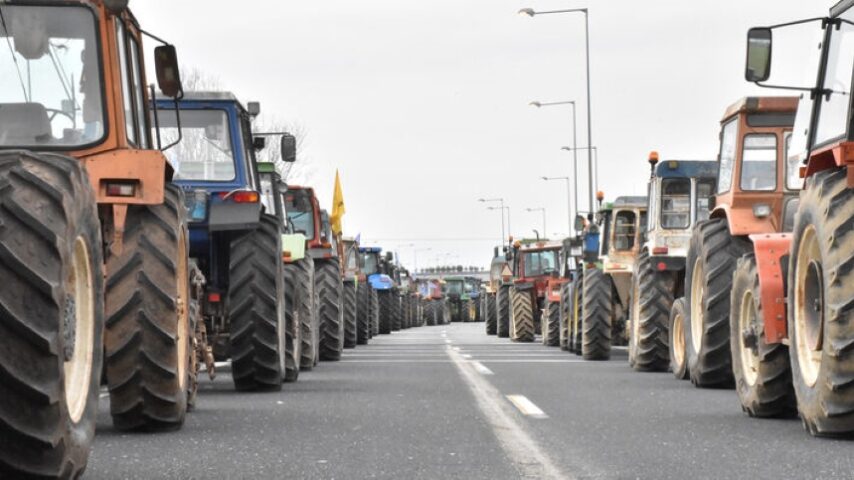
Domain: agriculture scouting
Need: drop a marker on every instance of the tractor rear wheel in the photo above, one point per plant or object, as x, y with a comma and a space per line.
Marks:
429, 315
386, 311
652, 300
293, 328
363, 314
596, 321
51, 350
763, 378
522, 318
256, 298
576, 314
330, 293
551, 324
490, 314
375, 312
712, 256
306, 312
351, 335
502, 310
821, 321
676, 332
147, 336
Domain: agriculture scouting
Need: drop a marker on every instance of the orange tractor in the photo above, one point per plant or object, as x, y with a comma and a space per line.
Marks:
535, 293
755, 195
93, 249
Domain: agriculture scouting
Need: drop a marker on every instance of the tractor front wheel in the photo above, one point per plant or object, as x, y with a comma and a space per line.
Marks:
522, 319
596, 319
652, 300
502, 309
678, 354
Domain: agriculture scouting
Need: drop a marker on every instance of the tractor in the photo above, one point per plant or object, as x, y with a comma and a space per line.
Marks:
680, 194
357, 327
536, 267
751, 198
309, 219
458, 298
600, 303
379, 270
473, 289
273, 190
498, 296
802, 286
95, 265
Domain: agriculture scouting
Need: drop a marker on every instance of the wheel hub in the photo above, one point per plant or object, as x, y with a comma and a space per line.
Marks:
814, 301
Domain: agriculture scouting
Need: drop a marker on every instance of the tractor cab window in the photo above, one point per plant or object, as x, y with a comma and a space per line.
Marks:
51, 94
625, 230
300, 212
705, 191
727, 155
370, 265
352, 256
541, 263
205, 150
675, 203
833, 111
455, 288
268, 199
759, 163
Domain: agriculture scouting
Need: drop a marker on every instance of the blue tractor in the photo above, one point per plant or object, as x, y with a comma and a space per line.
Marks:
236, 244
379, 270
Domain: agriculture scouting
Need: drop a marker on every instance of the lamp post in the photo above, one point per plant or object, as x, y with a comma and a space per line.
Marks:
543, 210
531, 13
574, 144
569, 212
501, 201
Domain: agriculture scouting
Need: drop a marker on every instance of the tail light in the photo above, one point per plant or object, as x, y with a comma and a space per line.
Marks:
286, 256
241, 196
121, 189
214, 297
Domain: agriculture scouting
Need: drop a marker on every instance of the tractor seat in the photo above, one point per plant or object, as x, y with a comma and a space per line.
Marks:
24, 124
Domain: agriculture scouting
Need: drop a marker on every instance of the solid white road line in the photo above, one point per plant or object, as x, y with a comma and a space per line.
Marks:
481, 368
526, 406
522, 450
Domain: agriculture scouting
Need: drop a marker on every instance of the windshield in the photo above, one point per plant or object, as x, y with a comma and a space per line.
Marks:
759, 163
540, 263
624, 230
300, 212
833, 116
370, 263
204, 152
454, 287
675, 203
50, 88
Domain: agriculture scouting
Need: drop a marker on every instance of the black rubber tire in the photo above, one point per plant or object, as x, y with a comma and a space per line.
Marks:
563, 316
394, 319
598, 312
576, 311
678, 359
551, 324
46, 204
522, 318
330, 293
715, 251
826, 211
147, 297
293, 327
303, 270
502, 310
770, 393
429, 313
652, 300
363, 313
351, 335
446, 315
256, 298
490, 314
375, 313
194, 361
386, 311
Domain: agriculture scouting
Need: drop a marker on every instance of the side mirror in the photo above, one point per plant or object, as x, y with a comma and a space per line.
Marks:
254, 109
289, 148
579, 223
259, 143
389, 257
168, 72
759, 49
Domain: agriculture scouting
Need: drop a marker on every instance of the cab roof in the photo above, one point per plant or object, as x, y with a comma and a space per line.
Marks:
370, 249
751, 105
687, 169
630, 202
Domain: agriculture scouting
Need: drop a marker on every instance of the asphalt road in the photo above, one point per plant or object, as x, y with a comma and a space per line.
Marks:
450, 402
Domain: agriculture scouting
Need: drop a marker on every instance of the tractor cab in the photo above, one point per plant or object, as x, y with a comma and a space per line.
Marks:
306, 216
622, 225
536, 267
352, 264
376, 267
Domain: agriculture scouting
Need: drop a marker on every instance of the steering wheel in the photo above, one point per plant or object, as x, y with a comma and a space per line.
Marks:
56, 112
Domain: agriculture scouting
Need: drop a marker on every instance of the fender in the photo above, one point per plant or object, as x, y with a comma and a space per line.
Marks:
554, 287
772, 252
380, 282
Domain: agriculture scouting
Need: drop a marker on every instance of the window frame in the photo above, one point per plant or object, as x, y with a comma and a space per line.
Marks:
660, 212
729, 182
776, 162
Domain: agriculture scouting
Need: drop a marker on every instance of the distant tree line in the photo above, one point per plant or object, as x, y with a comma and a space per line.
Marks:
449, 269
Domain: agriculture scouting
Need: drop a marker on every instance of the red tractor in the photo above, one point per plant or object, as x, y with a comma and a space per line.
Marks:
536, 290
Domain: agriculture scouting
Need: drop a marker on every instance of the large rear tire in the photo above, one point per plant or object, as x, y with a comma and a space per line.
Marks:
596, 319
821, 318
502, 309
293, 328
256, 297
386, 311
522, 321
363, 314
551, 323
147, 336
763, 378
652, 300
351, 327
490, 314
375, 313
563, 316
712, 256
51, 330
330, 293
304, 279
678, 352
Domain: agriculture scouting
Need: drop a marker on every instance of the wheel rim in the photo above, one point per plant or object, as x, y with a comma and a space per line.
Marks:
809, 307
748, 329
81, 312
677, 339
182, 334
698, 290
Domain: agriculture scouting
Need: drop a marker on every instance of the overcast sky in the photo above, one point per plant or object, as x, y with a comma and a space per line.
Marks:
423, 105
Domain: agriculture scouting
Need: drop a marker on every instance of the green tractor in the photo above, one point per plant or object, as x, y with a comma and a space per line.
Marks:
458, 299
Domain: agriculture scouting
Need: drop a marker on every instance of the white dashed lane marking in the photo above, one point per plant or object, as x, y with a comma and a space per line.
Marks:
527, 407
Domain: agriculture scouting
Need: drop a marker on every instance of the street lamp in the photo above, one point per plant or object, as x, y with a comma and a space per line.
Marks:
595, 172
569, 212
530, 12
574, 144
543, 210
501, 201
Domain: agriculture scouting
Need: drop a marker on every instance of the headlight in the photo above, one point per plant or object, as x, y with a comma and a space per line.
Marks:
761, 210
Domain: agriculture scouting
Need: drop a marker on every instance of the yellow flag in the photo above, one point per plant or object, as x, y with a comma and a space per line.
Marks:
338, 209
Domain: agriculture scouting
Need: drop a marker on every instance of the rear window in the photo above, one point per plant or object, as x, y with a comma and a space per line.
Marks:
300, 213
759, 163
675, 203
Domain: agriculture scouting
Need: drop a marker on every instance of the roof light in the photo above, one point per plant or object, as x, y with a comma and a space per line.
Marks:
653, 158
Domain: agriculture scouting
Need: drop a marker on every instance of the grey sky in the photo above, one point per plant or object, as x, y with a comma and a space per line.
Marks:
423, 105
